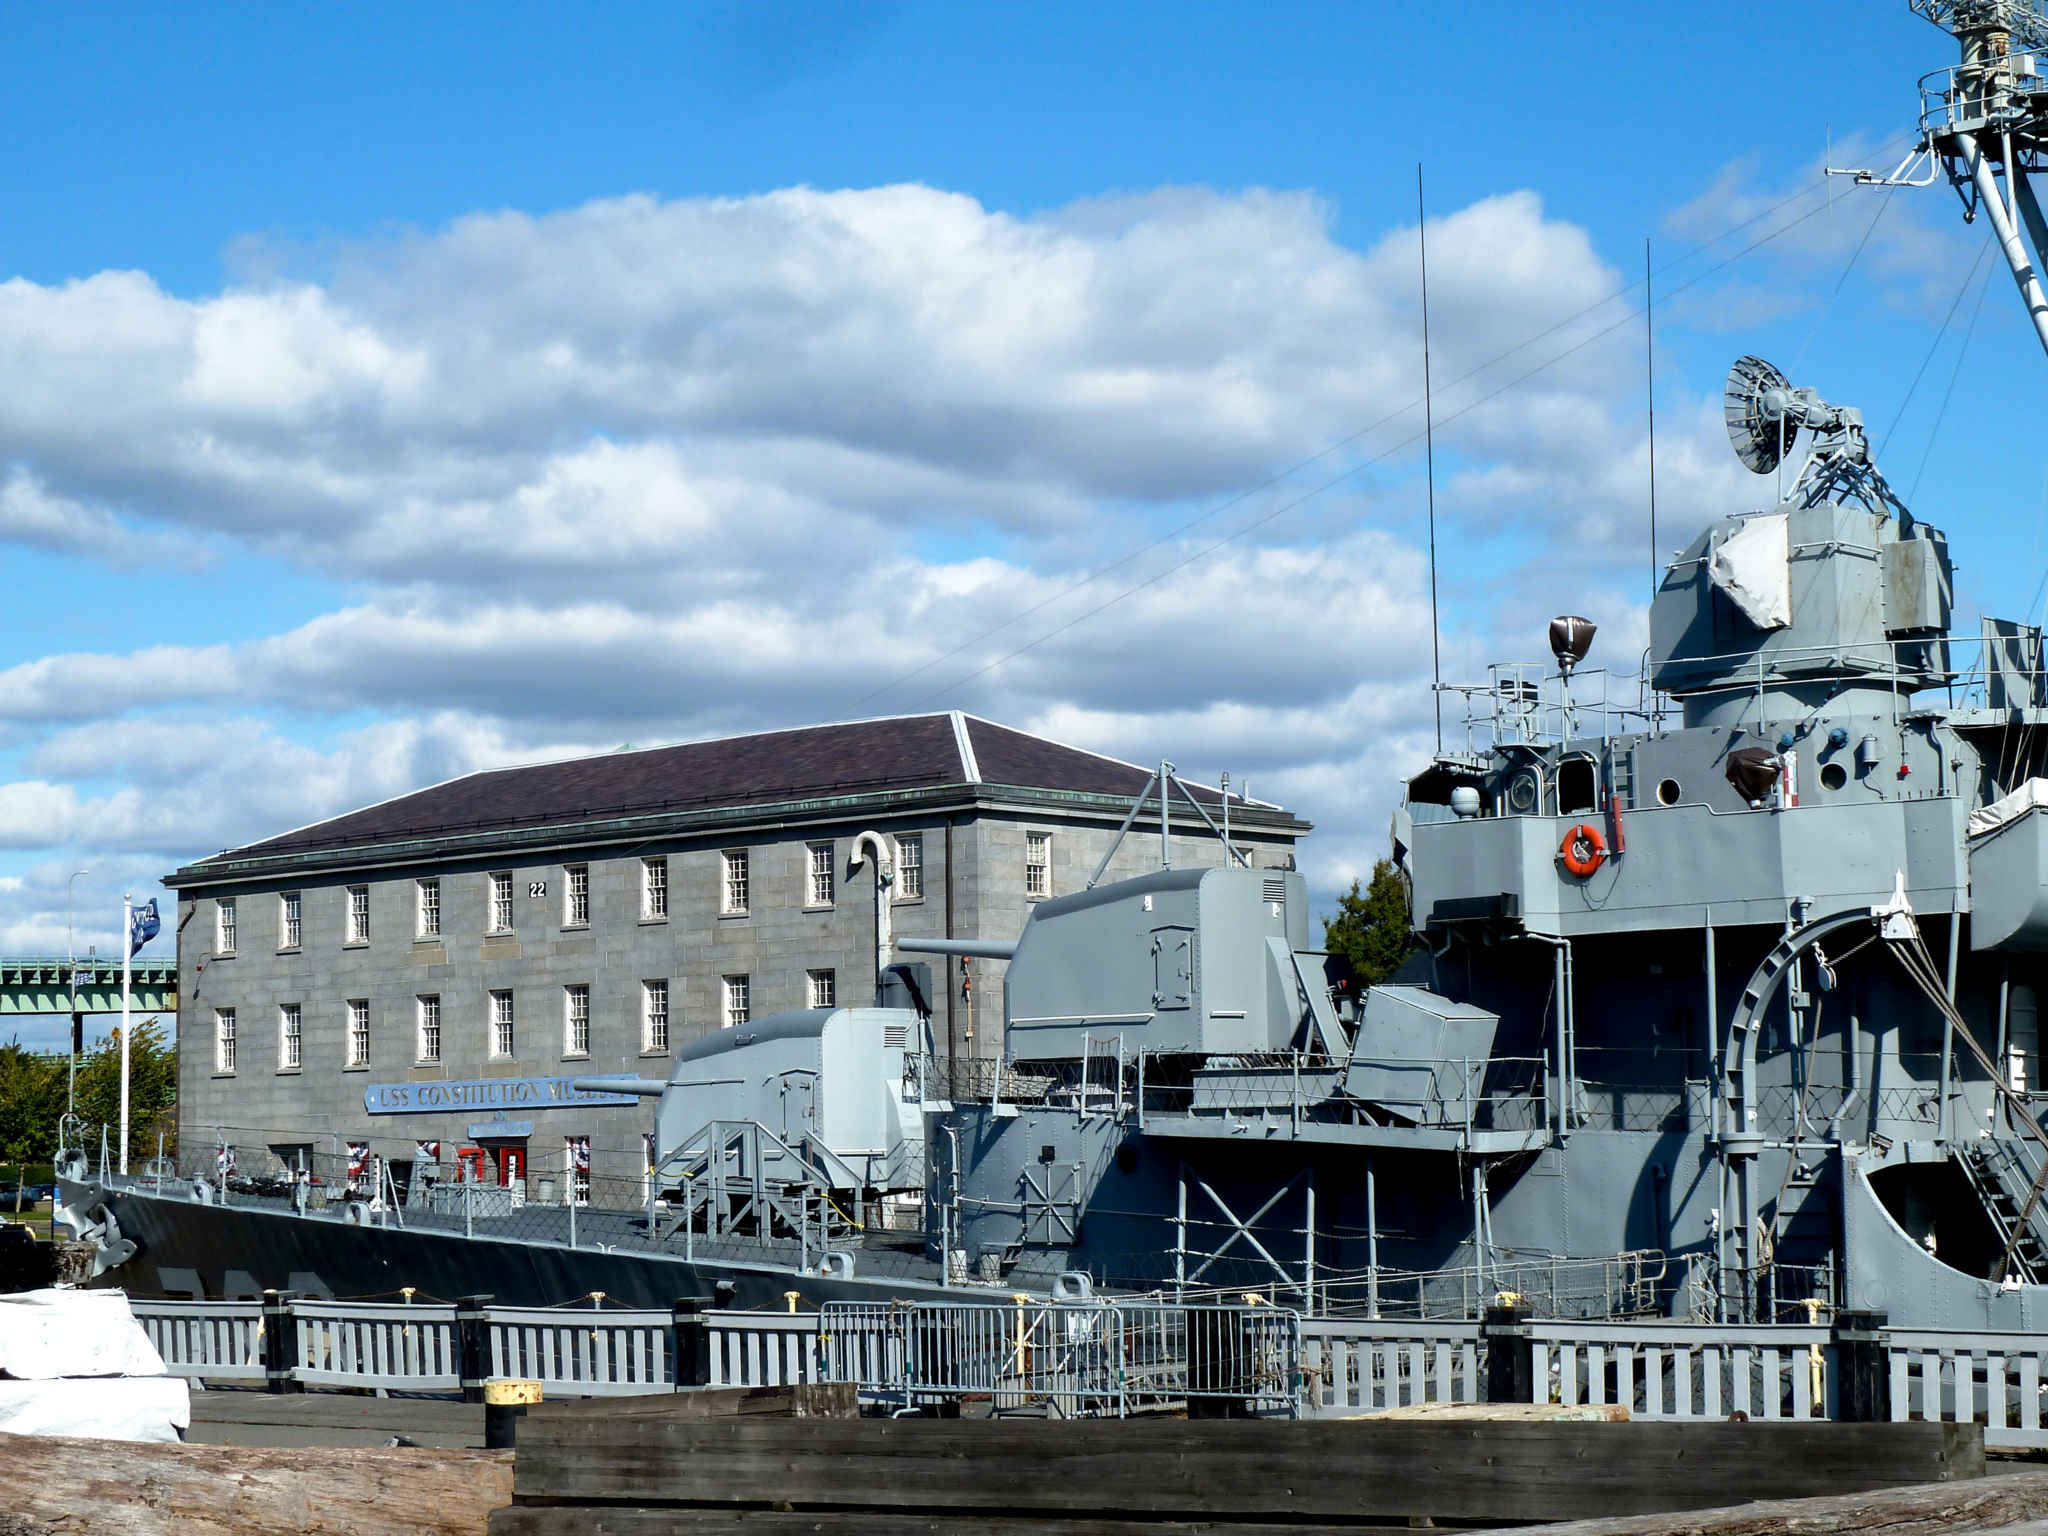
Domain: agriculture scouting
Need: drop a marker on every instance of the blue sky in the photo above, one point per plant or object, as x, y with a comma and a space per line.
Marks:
397, 391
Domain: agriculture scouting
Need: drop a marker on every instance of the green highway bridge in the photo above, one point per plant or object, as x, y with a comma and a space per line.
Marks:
44, 984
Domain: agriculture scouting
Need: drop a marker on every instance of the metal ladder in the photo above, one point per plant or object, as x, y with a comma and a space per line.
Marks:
1997, 1170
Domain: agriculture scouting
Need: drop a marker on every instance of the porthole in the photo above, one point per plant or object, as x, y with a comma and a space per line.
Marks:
1522, 793
1668, 791
1833, 776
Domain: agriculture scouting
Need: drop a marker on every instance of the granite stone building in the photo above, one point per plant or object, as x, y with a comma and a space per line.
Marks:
423, 978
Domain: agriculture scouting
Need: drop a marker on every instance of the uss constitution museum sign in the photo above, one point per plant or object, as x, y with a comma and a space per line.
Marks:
487, 1093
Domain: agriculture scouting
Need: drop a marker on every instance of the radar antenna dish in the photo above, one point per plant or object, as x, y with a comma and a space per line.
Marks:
1754, 407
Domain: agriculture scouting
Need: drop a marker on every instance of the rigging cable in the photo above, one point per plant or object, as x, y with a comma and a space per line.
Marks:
1828, 308
1090, 577
1338, 479
1934, 346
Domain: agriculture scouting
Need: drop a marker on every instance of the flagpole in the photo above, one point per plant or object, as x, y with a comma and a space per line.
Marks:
127, 990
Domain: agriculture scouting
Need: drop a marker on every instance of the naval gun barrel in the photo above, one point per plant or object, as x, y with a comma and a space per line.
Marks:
973, 949
644, 1087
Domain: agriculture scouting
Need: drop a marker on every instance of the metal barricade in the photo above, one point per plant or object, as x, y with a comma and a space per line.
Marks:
1068, 1359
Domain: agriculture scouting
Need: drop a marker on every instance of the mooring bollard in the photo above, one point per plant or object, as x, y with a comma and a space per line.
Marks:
280, 1344
1510, 1353
1863, 1392
472, 1330
505, 1404
693, 1343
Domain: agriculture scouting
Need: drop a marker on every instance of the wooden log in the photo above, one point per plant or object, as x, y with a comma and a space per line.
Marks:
119, 1488
1388, 1469
816, 1400
668, 1520
1984, 1504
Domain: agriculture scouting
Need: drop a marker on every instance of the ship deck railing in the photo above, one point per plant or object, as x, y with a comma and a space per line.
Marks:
1113, 1357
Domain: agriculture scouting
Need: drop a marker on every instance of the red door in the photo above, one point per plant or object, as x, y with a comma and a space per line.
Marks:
511, 1165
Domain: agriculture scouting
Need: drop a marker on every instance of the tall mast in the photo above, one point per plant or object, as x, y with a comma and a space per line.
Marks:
1984, 125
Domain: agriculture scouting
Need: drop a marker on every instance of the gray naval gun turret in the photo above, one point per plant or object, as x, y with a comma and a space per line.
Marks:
1727, 1000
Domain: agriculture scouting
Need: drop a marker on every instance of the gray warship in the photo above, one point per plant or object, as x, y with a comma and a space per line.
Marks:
1726, 1003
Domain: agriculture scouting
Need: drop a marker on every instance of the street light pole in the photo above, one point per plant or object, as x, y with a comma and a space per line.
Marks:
71, 949
127, 987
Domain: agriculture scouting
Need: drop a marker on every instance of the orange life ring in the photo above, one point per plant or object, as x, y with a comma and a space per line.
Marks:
1584, 850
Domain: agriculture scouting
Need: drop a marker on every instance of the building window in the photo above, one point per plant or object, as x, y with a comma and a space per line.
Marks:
429, 903
223, 1039
501, 1024
738, 1005
501, 903
576, 896
653, 888
576, 1168
734, 896
429, 1013
224, 926
824, 988
576, 1020
821, 875
910, 867
359, 1032
288, 920
290, 1039
359, 914
1037, 863
654, 1015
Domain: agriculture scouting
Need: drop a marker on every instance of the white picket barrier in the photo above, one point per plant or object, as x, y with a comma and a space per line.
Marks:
581, 1352
409, 1349
1993, 1379
763, 1349
206, 1340
1353, 1366
1686, 1371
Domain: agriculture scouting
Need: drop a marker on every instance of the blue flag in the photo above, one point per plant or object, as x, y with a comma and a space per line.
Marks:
143, 925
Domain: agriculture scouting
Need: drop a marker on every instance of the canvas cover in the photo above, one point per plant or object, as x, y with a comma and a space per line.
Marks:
2029, 796
153, 1408
1753, 568
50, 1333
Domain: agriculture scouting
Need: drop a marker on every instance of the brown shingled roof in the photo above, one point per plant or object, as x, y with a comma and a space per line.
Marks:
813, 762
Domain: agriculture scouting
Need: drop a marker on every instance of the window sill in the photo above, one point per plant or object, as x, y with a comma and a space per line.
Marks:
223, 954
576, 1056
821, 906
651, 1054
653, 922
419, 939
426, 1061
575, 927
501, 933
287, 949
290, 1071
356, 944
723, 916
219, 1075
906, 901
359, 1067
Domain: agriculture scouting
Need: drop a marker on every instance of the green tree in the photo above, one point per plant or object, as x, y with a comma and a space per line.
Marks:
152, 1089
1371, 928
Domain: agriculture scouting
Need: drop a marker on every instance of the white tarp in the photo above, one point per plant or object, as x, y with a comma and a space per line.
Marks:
151, 1408
1754, 567
50, 1333
2029, 796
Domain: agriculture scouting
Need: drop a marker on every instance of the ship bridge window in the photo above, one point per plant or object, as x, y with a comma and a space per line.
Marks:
1578, 786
